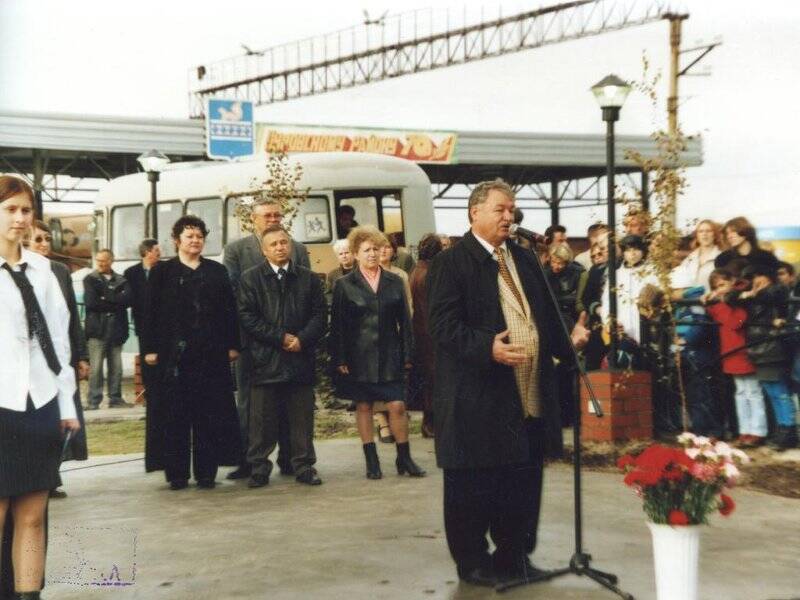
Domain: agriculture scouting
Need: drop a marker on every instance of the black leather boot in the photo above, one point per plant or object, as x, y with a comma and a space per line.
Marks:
405, 464
373, 464
28, 596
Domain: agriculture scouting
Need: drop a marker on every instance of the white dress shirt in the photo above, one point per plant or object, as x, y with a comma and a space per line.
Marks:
23, 367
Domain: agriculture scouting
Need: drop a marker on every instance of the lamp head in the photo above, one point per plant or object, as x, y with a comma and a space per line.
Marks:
153, 161
611, 92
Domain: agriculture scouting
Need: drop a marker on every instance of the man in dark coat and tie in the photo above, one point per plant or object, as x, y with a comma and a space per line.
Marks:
240, 256
136, 277
496, 414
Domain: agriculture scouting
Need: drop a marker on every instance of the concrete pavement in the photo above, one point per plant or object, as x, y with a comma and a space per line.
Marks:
122, 534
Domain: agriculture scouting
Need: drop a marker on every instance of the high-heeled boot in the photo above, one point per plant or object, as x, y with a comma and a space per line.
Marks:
29, 596
373, 464
404, 462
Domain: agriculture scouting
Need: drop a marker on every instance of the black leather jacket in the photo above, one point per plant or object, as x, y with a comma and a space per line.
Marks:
769, 304
107, 302
371, 332
565, 286
269, 309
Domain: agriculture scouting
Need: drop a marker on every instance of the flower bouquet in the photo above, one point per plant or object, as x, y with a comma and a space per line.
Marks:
680, 488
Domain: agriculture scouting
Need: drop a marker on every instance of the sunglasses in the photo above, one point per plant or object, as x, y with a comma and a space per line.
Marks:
39, 239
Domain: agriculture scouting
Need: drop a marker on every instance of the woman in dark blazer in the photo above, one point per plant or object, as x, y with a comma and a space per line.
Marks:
191, 334
41, 243
371, 346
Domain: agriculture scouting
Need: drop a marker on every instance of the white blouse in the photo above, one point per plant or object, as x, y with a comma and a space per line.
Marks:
23, 367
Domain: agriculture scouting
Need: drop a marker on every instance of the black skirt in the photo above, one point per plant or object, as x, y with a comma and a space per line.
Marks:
30, 449
363, 391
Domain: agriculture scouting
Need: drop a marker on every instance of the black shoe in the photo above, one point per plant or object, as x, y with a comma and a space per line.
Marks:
286, 469
206, 484
385, 434
373, 463
178, 484
243, 472
527, 572
58, 494
309, 477
407, 465
258, 480
121, 404
481, 576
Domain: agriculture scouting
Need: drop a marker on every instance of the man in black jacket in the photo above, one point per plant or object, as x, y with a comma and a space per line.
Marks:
137, 276
107, 296
496, 414
239, 256
283, 314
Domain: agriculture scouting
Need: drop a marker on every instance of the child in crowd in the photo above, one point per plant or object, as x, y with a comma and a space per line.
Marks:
697, 339
750, 409
766, 304
632, 276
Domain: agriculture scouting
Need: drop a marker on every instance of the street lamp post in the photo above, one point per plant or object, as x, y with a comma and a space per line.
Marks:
611, 92
152, 162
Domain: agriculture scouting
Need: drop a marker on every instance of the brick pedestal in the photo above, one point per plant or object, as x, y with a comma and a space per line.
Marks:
626, 400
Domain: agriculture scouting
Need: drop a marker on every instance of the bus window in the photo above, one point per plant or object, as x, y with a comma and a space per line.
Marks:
210, 210
392, 215
127, 231
380, 208
233, 228
99, 230
168, 212
312, 221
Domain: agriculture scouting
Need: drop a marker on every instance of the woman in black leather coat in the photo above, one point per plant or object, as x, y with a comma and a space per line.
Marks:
371, 346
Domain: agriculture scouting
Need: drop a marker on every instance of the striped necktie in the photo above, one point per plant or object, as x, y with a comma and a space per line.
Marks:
506, 275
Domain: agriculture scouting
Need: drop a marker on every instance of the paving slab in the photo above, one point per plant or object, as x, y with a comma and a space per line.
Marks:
123, 535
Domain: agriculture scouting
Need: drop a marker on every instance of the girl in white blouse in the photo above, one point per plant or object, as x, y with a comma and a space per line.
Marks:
36, 389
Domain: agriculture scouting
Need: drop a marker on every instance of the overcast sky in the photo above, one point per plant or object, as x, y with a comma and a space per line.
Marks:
132, 58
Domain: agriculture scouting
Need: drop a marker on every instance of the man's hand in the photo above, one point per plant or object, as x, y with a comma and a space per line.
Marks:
232, 355
290, 342
151, 359
507, 354
83, 369
343, 370
580, 333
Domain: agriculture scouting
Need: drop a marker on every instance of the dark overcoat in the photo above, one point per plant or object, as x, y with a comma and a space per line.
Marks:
420, 388
371, 332
269, 309
478, 415
137, 279
161, 334
77, 448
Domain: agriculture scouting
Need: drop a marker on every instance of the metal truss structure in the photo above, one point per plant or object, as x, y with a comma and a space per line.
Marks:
554, 196
407, 43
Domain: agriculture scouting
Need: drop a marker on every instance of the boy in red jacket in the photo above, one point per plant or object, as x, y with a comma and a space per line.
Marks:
750, 408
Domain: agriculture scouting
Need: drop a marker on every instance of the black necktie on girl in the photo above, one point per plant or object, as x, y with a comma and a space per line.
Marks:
37, 325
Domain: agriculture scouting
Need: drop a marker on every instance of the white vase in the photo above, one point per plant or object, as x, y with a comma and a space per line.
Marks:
676, 552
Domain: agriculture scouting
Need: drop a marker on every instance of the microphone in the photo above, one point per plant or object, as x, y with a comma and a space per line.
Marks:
531, 236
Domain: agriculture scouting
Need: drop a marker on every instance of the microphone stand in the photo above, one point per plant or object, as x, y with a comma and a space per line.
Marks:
580, 563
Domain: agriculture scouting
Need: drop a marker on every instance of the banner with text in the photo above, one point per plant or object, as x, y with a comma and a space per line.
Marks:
419, 146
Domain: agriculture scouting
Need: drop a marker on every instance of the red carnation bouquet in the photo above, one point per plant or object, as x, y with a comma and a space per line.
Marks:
682, 486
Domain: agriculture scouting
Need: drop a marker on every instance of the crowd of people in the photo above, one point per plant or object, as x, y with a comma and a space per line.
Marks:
229, 356
721, 315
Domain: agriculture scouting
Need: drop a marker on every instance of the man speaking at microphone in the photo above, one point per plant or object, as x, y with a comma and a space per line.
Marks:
496, 415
